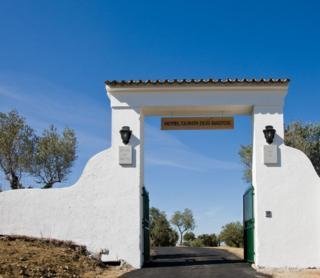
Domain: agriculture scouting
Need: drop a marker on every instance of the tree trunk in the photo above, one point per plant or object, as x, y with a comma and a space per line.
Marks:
48, 185
14, 181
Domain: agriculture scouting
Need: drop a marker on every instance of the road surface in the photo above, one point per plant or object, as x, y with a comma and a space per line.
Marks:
189, 262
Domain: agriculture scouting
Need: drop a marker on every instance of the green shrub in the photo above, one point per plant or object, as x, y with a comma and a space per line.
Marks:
196, 243
232, 234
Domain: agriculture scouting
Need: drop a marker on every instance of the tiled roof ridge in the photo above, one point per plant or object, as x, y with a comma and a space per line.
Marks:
209, 81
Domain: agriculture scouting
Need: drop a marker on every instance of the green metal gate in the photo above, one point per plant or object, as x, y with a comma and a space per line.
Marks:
145, 226
248, 225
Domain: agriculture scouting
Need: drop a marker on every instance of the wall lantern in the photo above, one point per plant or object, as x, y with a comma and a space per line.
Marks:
269, 133
125, 133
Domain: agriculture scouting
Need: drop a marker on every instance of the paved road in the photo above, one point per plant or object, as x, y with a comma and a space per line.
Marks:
188, 262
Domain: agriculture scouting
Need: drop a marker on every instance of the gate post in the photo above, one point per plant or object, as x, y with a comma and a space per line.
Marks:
263, 176
129, 179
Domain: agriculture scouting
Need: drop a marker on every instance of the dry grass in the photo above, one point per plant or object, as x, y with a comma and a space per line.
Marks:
30, 257
233, 250
291, 273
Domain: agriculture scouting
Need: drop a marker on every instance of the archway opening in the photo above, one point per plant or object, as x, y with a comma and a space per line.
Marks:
199, 170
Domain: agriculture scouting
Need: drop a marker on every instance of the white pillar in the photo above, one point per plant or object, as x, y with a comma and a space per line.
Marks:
263, 178
130, 181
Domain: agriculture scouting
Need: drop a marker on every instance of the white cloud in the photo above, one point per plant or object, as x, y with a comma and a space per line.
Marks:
9, 92
46, 102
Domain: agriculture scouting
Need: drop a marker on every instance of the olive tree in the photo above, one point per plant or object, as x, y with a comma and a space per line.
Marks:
54, 156
189, 236
302, 136
232, 234
17, 141
306, 138
245, 154
161, 234
209, 239
184, 221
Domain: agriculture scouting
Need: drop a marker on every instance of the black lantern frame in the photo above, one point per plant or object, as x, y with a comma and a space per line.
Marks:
125, 133
269, 133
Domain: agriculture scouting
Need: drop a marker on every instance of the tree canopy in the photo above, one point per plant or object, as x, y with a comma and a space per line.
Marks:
17, 142
208, 239
161, 233
184, 221
189, 236
54, 156
245, 154
232, 234
306, 138
48, 157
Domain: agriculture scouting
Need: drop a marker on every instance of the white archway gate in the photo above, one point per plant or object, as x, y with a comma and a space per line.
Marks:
103, 210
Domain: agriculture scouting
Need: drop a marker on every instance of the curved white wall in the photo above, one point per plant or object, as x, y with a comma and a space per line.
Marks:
96, 211
291, 238
289, 189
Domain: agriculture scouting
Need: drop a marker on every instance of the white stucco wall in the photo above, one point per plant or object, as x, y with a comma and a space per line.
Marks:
96, 211
291, 191
291, 238
103, 210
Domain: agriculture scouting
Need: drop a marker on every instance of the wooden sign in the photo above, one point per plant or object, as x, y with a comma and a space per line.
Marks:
192, 123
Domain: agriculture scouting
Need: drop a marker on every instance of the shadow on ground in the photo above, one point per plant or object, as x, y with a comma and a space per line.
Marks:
194, 262
187, 259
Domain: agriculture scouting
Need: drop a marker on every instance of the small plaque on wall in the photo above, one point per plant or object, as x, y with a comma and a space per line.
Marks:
270, 154
125, 155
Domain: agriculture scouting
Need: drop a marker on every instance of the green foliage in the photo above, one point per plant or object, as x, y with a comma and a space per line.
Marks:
17, 142
305, 137
161, 233
184, 221
232, 234
302, 136
173, 237
245, 153
189, 236
196, 243
49, 157
208, 240
54, 156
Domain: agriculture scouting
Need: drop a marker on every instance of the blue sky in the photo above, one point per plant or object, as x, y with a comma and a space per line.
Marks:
55, 56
